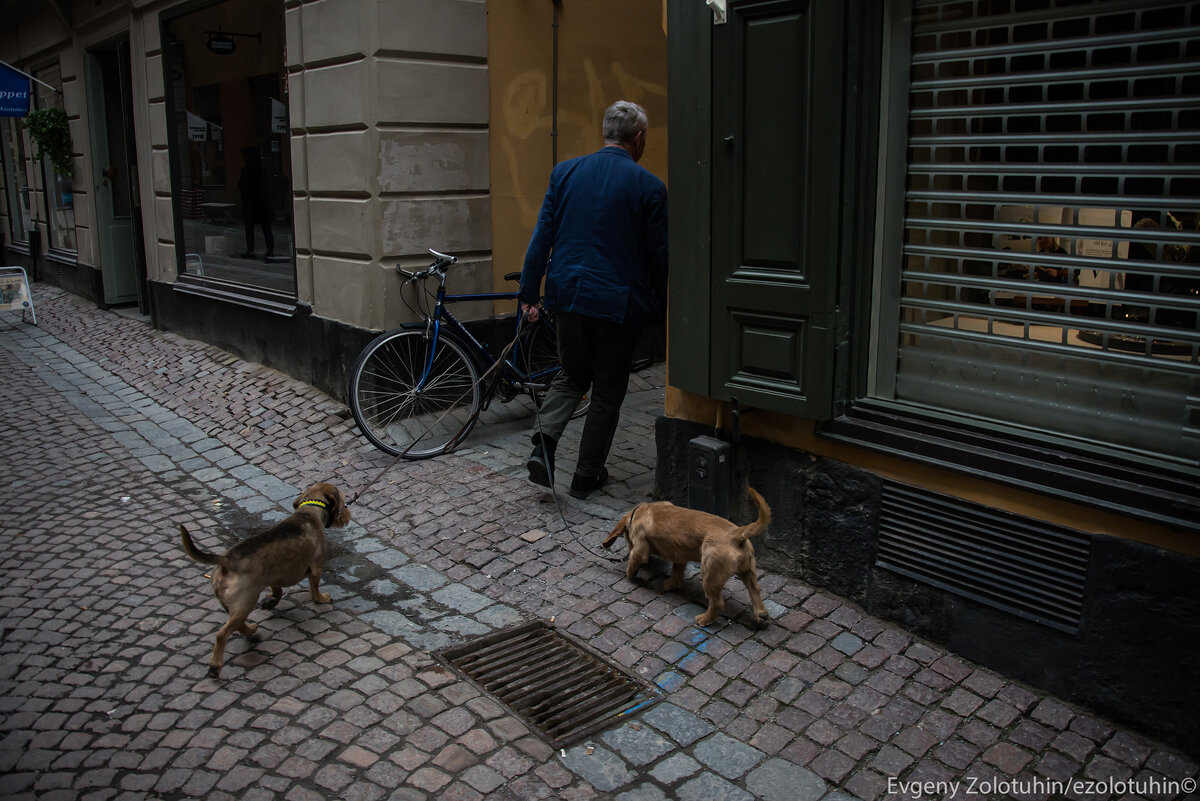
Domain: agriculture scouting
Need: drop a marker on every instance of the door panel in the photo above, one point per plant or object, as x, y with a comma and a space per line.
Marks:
111, 175
776, 153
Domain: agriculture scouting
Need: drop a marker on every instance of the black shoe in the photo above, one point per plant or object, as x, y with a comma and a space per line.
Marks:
582, 487
541, 462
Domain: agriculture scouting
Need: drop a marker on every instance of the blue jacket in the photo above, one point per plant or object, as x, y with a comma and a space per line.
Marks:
601, 241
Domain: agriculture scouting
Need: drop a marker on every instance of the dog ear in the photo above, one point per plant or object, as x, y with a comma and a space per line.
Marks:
338, 512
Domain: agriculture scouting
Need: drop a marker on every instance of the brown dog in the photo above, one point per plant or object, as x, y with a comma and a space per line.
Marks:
278, 557
685, 535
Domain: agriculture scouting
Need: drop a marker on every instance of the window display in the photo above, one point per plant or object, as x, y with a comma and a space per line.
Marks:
227, 100
16, 180
58, 193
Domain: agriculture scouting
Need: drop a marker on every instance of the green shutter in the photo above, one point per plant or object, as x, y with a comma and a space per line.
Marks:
689, 170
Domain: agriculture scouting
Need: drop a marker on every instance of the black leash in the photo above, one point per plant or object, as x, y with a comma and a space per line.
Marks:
487, 394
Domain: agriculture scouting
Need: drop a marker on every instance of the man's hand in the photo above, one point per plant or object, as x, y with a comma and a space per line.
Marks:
531, 312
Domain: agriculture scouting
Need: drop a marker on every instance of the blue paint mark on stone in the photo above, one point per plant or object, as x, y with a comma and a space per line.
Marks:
669, 681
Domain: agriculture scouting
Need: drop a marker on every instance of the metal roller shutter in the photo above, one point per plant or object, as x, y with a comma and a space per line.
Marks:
1051, 262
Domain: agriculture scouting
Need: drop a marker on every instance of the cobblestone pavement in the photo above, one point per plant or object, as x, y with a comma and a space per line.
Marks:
115, 433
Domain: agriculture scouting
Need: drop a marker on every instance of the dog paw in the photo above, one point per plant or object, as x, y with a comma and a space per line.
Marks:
761, 621
705, 620
324, 598
214, 671
269, 603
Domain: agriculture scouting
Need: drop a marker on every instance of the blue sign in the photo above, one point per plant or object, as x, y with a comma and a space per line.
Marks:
14, 93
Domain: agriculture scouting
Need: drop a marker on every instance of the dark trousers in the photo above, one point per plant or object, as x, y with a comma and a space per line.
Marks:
268, 235
597, 356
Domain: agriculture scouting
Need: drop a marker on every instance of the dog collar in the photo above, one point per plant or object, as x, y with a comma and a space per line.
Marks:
323, 505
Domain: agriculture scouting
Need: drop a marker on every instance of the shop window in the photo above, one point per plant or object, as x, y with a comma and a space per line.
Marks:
57, 191
229, 137
16, 180
1049, 278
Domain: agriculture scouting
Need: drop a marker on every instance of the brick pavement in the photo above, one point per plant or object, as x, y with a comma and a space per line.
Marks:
116, 433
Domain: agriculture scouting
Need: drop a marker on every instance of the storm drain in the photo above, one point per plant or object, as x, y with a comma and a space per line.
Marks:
558, 686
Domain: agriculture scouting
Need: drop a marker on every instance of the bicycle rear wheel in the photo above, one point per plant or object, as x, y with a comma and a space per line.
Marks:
537, 356
409, 411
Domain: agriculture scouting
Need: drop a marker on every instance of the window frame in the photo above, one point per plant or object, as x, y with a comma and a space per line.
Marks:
1144, 486
248, 295
10, 133
50, 178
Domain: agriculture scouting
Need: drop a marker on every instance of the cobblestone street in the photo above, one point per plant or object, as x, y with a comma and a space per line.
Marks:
116, 433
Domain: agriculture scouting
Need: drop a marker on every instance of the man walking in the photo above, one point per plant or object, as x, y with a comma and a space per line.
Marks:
601, 243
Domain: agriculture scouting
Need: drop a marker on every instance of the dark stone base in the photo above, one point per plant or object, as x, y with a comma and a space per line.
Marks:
1133, 658
79, 279
312, 349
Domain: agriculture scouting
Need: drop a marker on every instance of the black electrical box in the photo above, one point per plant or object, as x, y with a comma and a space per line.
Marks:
709, 472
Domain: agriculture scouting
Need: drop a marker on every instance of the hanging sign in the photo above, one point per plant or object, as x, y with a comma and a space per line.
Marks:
221, 45
14, 92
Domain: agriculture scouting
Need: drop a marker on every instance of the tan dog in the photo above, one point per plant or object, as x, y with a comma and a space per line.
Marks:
278, 557
686, 535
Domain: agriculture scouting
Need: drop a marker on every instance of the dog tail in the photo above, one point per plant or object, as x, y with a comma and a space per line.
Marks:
758, 526
195, 553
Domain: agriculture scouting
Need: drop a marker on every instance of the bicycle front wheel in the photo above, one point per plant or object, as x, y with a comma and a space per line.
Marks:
409, 404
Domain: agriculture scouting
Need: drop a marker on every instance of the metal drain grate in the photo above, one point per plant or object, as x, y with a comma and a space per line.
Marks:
558, 686
1026, 567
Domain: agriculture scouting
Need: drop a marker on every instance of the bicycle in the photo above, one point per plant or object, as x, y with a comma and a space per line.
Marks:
417, 391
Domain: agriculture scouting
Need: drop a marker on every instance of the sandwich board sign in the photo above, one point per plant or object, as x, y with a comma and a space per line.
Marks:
14, 292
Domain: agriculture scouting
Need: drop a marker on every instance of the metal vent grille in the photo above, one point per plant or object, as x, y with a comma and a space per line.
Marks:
1026, 567
558, 686
1051, 214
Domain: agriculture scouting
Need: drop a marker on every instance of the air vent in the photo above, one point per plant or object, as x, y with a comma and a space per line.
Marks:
559, 687
1025, 567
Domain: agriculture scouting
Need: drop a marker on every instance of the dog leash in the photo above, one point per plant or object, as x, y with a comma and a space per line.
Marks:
374, 481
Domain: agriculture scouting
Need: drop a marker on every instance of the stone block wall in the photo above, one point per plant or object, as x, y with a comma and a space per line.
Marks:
389, 105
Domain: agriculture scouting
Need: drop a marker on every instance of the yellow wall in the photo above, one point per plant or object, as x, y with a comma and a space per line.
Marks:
608, 50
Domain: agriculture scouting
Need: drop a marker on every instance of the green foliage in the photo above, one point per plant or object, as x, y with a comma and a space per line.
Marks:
52, 135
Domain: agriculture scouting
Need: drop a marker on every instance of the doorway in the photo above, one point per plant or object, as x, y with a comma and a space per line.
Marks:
114, 175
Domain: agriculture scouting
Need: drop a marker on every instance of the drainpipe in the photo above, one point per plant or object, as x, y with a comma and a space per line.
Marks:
554, 92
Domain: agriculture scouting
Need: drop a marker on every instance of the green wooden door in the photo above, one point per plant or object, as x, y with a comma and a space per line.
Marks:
776, 138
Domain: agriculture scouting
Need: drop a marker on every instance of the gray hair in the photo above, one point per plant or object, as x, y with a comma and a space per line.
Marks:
622, 121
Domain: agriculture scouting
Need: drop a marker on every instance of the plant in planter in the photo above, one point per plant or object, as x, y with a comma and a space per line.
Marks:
52, 135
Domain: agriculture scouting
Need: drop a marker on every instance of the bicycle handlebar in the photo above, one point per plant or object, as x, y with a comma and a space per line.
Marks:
442, 261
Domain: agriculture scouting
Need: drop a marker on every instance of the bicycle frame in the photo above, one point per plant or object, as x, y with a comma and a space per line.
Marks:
480, 353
